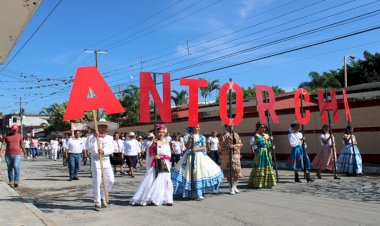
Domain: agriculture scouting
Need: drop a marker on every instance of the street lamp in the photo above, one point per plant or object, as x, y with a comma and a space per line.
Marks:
345, 69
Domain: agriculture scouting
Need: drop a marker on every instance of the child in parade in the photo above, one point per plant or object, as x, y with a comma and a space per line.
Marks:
297, 156
207, 175
156, 189
262, 175
227, 144
350, 160
325, 157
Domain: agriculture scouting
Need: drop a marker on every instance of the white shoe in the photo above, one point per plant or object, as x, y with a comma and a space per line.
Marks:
200, 198
232, 191
235, 187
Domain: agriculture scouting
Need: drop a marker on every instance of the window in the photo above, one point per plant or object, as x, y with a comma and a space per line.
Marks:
14, 120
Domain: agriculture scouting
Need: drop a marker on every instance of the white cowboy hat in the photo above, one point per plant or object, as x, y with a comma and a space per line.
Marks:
131, 134
102, 121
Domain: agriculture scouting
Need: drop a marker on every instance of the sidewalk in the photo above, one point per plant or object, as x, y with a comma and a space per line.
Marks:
17, 211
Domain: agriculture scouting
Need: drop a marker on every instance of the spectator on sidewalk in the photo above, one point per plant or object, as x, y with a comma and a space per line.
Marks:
34, 143
14, 143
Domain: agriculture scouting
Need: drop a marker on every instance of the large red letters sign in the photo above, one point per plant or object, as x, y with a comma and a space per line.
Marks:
324, 106
297, 105
239, 106
263, 107
87, 78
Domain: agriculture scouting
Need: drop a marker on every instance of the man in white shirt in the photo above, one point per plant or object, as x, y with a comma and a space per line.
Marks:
64, 147
75, 147
131, 151
213, 146
54, 144
106, 149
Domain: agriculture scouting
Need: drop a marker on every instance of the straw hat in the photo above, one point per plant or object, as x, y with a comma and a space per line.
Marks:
150, 135
131, 134
103, 121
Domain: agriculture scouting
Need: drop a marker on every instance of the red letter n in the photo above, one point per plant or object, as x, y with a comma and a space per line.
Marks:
147, 87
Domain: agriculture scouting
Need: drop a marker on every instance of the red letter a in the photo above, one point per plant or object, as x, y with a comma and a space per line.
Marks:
88, 78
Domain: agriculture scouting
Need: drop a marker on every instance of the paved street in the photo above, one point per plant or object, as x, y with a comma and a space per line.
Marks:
349, 201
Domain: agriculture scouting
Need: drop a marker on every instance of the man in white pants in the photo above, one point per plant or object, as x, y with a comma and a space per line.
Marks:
106, 149
54, 148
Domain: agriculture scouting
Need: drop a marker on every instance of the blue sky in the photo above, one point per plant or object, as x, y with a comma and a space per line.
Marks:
158, 33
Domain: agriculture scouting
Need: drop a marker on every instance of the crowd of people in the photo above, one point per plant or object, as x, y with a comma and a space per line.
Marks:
188, 165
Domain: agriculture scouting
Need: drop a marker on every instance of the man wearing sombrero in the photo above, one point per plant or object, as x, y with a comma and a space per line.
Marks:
106, 149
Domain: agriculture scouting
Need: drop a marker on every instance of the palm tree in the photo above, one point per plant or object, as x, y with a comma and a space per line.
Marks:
179, 98
211, 87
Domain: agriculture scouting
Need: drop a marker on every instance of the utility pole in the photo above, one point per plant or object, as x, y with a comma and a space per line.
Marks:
96, 52
21, 127
345, 70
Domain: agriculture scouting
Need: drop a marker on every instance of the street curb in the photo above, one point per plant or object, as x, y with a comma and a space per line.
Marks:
38, 213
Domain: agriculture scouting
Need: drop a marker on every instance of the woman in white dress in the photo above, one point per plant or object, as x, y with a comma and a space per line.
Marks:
156, 189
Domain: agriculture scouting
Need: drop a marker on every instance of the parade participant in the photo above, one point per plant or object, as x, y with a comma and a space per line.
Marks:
107, 148
54, 145
207, 175
27, 145
14, 143
213, 146
34, 144
117, 158
75, 148
252, 144
168, 137
324, 158
177, 150
182, 140
262, 175
122, 136
145, 147
227, 144
157, 190
131, 151
296, 158
350, 160
141, 155
65, 148
85, 151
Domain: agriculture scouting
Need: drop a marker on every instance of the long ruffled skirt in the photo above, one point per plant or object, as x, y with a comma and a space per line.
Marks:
296, 159
348, 162
262, 175
207, 175
154, 190
324, 159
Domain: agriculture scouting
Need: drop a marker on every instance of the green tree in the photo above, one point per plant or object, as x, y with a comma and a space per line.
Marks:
359, 71
211, 87
180, 98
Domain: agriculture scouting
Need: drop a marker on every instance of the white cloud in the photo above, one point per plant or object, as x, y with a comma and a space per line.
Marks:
248, 5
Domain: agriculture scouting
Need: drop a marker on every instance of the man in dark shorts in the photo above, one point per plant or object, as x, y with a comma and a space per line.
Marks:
14, 144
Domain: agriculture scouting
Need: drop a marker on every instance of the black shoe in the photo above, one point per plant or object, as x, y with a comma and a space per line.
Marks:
70, 179
308, 179
169, 204
297, 179
76, 178
319, 176
336, 178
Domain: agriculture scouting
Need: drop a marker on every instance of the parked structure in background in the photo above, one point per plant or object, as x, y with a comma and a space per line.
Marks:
31, 123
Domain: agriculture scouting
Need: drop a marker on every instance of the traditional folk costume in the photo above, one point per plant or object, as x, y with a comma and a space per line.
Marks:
296, 158
107, 145
262, 175
207, 174
226, 144
325, 157
348, 161
157, 190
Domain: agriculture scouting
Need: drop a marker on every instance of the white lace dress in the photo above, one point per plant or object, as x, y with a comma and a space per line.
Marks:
155, 190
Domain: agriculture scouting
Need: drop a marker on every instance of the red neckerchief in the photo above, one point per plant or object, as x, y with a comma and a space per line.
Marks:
102, 135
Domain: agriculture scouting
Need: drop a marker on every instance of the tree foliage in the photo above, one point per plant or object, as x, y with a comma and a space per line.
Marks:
211, 87
180, 98
359, 71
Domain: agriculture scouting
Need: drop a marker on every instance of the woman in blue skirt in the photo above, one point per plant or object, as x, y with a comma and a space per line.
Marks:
207, 174
350, 160
296, 159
